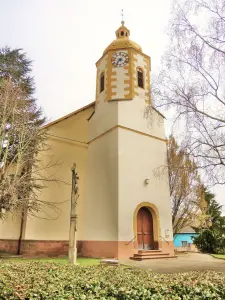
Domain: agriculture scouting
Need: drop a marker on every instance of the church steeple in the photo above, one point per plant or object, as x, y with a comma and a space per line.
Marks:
123, 40
123, 72
118, 134
122, 31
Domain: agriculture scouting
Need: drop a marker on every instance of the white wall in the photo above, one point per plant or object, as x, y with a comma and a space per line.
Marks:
139, 155
53, 224
10, 226
101, 202
104, 118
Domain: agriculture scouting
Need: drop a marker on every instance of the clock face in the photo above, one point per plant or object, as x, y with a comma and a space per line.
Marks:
120, 59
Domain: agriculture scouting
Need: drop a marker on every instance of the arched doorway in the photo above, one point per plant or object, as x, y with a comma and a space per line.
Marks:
145, 236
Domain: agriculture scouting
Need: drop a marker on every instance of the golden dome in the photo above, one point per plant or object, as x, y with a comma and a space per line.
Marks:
122, 40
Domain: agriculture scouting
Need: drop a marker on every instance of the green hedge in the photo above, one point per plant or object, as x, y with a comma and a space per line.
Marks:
38, 280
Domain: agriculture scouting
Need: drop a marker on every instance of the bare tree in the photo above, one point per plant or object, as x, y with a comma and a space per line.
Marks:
22, 139
185, 186
192, 81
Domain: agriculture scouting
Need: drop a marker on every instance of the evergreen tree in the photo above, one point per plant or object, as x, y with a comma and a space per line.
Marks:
211, 238
14, 65
21, 135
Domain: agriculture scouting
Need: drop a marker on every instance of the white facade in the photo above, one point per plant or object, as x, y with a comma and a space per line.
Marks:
125, 148
117, 147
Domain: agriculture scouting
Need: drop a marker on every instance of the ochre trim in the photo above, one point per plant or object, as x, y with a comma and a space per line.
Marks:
142, 133
111, 75
119, 99
119, 49
68, 140
110, 80
134, 75
69, 115
130, 80
147, 94
129, 129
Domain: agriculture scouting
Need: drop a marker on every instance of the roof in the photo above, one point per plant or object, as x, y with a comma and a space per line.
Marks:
69, 115
187, 229
158, 112
123, 44
122, 40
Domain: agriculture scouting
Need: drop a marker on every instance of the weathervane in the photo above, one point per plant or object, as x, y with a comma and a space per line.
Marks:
122, 15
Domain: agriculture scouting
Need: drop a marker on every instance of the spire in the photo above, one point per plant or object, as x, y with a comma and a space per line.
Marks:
122, 40
122, 15
122, 31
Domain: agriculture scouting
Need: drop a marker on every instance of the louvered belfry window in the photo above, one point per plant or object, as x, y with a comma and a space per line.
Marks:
102, 82
140, 77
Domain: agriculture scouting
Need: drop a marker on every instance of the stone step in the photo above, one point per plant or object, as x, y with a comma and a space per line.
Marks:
151, 257
150, 254
149, 251
111, 262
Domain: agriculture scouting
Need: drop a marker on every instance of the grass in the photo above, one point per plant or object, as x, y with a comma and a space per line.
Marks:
60, 260
221, 256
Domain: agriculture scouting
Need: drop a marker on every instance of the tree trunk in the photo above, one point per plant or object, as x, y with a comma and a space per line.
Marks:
73, 218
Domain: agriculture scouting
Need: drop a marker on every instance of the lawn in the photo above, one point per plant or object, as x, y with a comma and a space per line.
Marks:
58, 260
55, 279
221, 256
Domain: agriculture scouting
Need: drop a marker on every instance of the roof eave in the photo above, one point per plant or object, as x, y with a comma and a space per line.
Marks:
69, 115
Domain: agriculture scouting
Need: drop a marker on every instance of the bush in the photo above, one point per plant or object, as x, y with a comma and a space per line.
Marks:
210, 241
37, 280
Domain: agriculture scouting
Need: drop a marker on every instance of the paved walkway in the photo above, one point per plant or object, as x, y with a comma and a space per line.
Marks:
183, 263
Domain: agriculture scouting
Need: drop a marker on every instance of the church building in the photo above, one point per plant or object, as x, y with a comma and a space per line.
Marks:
117, 142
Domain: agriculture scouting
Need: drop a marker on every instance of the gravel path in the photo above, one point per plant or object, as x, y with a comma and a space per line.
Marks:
183, 263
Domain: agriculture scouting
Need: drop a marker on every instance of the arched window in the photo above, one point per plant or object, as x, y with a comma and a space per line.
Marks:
102, 82
140, 77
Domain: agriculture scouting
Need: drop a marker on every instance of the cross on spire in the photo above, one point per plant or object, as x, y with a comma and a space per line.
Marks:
122, 15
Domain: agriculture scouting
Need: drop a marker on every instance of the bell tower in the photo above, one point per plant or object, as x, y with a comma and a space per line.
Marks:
124, 148
123, 71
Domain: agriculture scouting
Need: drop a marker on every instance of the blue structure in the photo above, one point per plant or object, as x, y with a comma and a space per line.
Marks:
182, 239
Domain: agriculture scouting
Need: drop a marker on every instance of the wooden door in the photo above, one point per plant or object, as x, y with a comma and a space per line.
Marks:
145, 229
